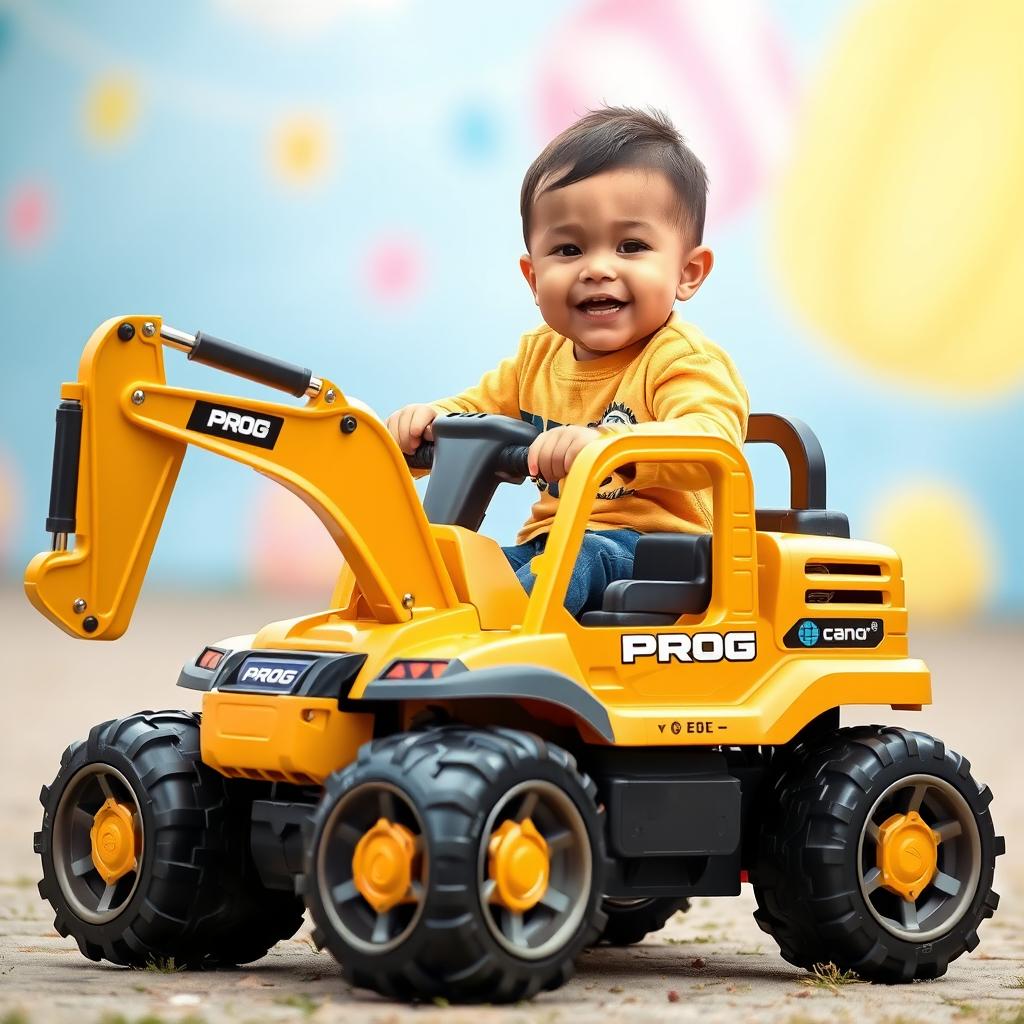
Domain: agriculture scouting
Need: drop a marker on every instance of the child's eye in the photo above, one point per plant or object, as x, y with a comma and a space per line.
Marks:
566, 250
632, 245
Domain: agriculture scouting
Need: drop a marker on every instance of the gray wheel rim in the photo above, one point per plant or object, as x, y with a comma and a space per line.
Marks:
351, 916
549, 925
945, 900
87, 894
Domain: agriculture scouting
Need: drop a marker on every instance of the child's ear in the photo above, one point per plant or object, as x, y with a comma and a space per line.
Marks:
526, 266
699, 262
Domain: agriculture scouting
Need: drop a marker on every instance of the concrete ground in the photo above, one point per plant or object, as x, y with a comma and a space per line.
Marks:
712, 965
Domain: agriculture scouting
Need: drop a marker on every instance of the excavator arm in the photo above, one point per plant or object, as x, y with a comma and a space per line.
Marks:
122, 434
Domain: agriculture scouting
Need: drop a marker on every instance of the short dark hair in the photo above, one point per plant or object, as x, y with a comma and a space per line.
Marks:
615, 137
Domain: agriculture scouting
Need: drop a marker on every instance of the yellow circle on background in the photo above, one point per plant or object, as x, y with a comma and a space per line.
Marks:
901, 218
943, 539
300, 149
111, 109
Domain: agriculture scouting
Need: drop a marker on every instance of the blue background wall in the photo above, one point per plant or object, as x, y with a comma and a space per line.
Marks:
338, 184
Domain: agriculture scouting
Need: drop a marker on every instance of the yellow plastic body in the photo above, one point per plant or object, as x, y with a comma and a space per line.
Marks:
133, 439
280, 739
409, 590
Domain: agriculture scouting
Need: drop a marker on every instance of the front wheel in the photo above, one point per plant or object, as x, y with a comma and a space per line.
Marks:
145, 851
877, 854
457, 863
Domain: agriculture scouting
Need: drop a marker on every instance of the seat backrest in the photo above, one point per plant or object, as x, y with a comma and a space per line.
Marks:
681, 557
671, 577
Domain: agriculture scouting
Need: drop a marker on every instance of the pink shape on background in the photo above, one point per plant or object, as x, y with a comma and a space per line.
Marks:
29, 215
720, 71
287, 547
11, 491
394, 269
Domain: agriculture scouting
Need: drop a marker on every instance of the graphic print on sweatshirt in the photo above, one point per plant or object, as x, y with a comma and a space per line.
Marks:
616, 414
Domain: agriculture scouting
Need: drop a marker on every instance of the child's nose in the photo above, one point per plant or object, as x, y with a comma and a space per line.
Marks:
598, 268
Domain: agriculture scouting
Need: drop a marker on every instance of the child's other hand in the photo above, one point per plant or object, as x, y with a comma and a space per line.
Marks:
554, 451
411, 425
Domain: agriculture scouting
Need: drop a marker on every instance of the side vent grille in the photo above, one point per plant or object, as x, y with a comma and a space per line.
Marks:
844, 568
846, 590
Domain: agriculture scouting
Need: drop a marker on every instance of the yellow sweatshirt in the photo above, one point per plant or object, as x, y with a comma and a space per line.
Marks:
678, 378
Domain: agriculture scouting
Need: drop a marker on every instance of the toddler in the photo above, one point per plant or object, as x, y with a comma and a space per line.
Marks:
613, 220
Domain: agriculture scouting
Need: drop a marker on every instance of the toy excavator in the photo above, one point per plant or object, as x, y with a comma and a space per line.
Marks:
465, 785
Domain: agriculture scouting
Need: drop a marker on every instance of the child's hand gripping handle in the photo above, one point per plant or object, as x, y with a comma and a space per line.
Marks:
244, 362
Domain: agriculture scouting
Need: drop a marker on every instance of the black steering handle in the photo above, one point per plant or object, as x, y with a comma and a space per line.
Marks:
511, 461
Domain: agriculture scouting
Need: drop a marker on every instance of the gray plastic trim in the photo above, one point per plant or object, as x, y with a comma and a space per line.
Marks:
511, 681
327, 675
192, 677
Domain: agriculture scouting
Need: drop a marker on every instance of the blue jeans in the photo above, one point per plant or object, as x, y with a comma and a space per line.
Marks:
605, 555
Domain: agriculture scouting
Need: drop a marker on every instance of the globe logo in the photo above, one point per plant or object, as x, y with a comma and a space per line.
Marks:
808, 633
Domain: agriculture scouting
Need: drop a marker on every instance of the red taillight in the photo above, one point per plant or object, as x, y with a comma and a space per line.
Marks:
415, 670
210, 658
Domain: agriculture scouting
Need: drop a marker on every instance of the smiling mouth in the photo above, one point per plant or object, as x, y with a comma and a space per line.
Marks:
600, 306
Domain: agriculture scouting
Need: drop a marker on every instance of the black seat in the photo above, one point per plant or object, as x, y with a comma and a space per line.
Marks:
671, 577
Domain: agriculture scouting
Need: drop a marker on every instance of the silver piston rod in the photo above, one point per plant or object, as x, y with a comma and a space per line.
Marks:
244, 362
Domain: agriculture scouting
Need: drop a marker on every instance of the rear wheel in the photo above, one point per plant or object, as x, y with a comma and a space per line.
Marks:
629, 921
877, 854
458, 863
145, 854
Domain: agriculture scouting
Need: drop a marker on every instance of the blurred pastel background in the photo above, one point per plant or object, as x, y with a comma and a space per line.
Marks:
337, 183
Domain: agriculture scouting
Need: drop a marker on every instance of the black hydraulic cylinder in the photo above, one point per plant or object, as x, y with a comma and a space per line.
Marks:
67, 446
244, 362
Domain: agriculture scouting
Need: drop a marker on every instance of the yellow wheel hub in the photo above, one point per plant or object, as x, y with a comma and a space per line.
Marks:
116, 842
382, 866
520, 865
908, 854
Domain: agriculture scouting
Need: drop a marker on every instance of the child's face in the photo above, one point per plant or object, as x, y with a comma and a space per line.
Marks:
609, 257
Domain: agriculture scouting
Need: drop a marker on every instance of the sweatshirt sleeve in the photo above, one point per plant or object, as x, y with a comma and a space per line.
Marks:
496, 392
693, 393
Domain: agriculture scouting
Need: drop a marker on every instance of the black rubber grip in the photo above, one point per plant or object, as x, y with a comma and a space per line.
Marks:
422, 458
512, 459
244, 362
67, 444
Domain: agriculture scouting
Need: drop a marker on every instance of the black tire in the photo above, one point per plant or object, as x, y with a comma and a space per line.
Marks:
193, 887
251, 919
629, 921
451, 785
819, 895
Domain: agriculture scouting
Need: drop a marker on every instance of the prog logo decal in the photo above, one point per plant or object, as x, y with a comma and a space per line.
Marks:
835, 633
666, 647
256, 428
269, 675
